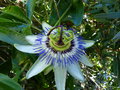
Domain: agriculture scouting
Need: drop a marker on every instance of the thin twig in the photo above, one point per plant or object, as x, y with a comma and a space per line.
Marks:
36, 28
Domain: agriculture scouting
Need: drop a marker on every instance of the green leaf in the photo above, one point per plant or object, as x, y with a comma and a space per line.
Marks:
10, 18
11, 37
116, 65
30, 8
27, 30
5, 20
8, 23
73, 10
12, 24
18, 26
110, 15
7, 83
16, 12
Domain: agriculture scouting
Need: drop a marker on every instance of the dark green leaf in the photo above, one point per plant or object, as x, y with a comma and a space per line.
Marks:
116, 65
110, 15
30, 8
7, 83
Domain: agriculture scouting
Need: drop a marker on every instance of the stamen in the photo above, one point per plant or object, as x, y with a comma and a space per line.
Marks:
53, 29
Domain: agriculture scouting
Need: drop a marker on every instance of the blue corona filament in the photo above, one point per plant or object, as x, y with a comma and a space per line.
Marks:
61, 58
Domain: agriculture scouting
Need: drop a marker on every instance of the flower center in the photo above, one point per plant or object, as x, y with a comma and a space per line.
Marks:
58, 47
60, 39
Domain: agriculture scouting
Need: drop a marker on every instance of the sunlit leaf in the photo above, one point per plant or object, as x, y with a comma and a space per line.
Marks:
16, 12
11, 37
18, 26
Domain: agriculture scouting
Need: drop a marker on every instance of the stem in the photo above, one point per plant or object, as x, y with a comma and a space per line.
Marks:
37, 19
56, 9
59, 19
36, 28
62, 15
45, 6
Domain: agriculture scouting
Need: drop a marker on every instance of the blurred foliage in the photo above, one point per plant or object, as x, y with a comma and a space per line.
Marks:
97, 20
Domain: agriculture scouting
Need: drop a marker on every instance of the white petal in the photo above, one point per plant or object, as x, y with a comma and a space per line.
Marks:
46, 27
88, 43
25, 48
31, 39
60, 77
37, 67
75, 71
85, 60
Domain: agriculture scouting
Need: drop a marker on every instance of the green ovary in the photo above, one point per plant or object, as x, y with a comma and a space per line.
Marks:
59, 47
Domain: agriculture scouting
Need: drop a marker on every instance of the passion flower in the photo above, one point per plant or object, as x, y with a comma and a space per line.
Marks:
60, 49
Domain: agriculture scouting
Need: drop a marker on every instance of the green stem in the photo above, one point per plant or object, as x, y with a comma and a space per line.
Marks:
56, 9
45, 6
62, 15
36, 28
37, 19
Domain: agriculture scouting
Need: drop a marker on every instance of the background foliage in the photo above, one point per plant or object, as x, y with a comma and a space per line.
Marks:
97, 20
